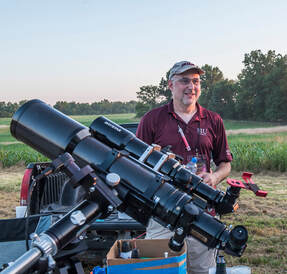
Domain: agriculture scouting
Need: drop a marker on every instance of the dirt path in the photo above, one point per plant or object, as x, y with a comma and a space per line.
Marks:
237, 131
256, 130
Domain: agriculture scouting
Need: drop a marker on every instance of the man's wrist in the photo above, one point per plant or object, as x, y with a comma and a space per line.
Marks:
217, 178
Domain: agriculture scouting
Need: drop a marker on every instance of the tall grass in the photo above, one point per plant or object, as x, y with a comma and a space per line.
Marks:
259, 152
248, 156
19, 153
251, 152
259, 156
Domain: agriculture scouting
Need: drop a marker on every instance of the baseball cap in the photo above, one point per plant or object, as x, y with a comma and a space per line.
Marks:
183, 66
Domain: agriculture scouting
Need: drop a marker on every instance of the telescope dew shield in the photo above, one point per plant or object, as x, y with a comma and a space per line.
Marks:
46, 129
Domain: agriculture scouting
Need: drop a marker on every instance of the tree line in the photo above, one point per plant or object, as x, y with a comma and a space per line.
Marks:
102, 107
259, 93
73, 108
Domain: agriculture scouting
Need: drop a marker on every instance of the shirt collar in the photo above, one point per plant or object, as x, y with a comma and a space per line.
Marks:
201, 113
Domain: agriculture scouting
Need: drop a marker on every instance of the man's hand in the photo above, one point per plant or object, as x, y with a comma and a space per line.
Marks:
212, 179
209, 178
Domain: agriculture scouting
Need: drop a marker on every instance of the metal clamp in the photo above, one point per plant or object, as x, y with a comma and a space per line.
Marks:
160, 162
146, 153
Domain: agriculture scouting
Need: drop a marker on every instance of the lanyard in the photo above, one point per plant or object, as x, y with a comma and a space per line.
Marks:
187, 147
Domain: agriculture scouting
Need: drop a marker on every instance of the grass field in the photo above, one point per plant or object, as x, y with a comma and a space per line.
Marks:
5, 136
251, 152
5, 121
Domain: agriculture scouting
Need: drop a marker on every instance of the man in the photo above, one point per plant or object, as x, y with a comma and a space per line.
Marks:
191, 131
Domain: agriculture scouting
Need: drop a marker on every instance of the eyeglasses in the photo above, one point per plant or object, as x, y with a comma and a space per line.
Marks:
186, 81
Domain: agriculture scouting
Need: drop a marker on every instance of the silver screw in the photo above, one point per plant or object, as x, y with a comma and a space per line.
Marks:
77, 217
92, 189
179, 231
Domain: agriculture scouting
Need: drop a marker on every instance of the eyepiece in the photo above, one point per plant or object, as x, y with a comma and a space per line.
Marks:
238, 237
237, 241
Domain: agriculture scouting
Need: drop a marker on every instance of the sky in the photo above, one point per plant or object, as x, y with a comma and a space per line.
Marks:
89, 50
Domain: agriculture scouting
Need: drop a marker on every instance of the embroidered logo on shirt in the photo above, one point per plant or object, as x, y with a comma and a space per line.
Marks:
202, 131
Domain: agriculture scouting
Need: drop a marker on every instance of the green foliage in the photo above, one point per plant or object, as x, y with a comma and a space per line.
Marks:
212, 76
7, 109
221, 99
164, 89
259, 156
141, 109
73, 108
262, 93
148, 95
19, 153
276, 98
96, 108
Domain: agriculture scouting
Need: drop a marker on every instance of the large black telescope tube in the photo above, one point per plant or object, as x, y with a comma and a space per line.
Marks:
144, 192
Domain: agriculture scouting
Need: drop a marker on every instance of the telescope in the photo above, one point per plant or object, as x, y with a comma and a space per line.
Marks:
204, 196
116, 172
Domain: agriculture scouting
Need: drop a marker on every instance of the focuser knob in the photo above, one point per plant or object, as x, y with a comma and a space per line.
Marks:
113, 179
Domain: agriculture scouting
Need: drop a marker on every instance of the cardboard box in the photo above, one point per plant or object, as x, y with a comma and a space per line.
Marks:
151, 261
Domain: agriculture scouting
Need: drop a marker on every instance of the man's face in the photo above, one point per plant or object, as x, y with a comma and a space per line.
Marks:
185, 88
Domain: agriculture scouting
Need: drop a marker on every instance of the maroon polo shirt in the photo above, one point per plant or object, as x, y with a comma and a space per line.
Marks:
205, 134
